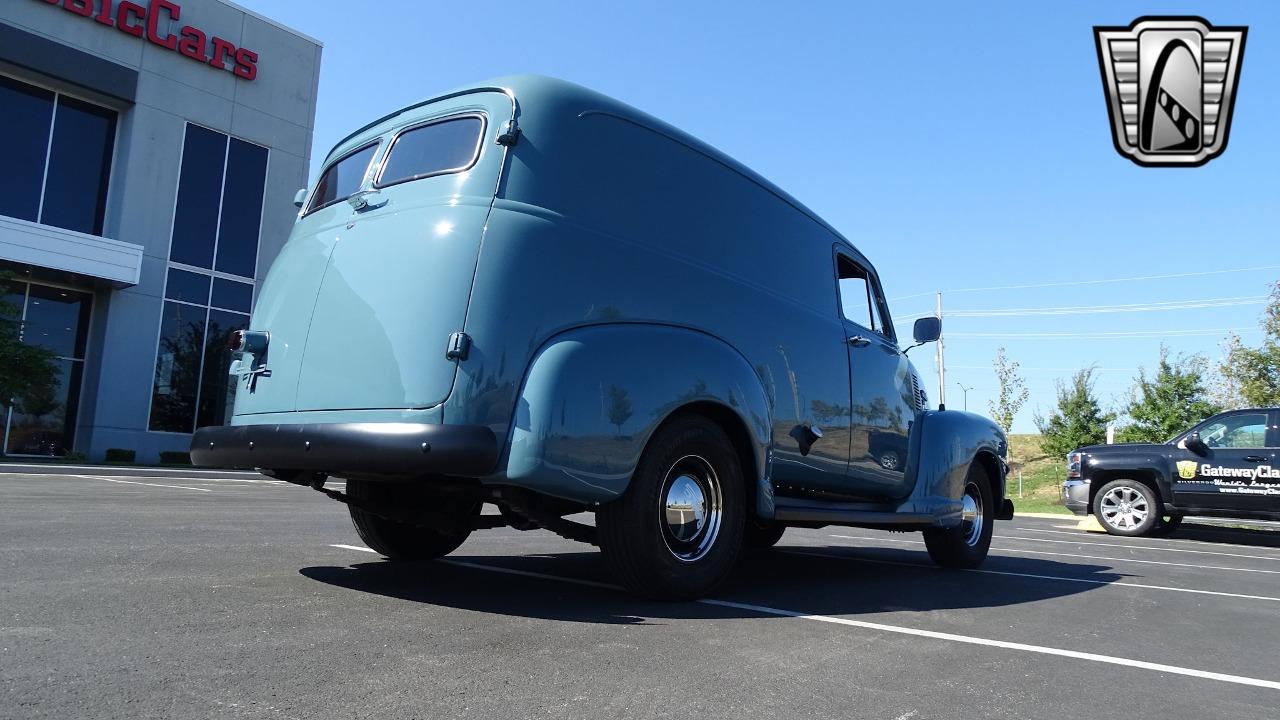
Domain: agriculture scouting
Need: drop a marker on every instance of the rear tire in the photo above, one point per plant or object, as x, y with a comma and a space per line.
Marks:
762, 534
965, 545
677, 530
1127, 508
402, 541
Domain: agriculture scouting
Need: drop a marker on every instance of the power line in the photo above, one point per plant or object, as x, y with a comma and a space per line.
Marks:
1131, 307
1105, 335
1100, 309
1076, 283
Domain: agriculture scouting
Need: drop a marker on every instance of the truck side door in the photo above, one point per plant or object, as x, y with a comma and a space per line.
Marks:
882, 402
1235, 473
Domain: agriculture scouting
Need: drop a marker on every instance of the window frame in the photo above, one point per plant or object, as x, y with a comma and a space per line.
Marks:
207, 306
875, 300
311, 206
1268, 430
395, 139
113, 167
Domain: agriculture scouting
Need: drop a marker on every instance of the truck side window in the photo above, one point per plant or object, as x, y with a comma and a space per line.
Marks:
435, 149
342, 179
1238, 431
858, 296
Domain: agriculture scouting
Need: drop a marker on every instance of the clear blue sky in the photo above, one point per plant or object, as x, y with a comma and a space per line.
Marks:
958, 145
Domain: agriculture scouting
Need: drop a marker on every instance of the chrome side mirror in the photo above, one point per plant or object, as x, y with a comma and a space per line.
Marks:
300, 198
927, 330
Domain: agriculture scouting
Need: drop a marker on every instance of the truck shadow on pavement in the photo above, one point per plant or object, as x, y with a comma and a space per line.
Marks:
839, 581
1261, 536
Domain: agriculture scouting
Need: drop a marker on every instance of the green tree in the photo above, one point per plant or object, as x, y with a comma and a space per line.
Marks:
1013, 391
28, 373
1168, 403
1251, 376
1078, 419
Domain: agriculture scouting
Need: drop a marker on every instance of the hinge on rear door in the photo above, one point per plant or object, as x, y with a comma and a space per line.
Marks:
510, 134
459, 346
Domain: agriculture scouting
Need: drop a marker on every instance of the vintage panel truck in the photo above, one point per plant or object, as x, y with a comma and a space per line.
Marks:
527, 294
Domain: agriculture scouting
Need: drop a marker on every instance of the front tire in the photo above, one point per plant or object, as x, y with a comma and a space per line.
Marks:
677, 530
402, 541
1127, 508
965, 545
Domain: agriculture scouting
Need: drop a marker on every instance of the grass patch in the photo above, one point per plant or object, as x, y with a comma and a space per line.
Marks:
1042, 476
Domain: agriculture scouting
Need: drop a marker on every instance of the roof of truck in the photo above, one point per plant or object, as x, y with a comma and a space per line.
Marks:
529, 90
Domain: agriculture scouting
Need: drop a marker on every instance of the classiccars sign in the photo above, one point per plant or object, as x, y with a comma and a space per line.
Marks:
153, 21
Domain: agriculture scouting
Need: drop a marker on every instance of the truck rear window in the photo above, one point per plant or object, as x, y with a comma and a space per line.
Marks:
441, 147
342, 179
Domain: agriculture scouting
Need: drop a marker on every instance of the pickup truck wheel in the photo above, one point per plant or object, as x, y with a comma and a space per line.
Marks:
1166, 526
1127, 507
966, 544
762, 534
402, 541
676, 532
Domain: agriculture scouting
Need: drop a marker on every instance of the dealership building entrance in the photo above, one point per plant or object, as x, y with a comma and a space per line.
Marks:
57, 319
152, 152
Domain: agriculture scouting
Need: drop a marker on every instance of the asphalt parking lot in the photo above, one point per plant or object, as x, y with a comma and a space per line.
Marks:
165, 594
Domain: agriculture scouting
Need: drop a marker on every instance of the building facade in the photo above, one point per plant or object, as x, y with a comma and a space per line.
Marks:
152, 151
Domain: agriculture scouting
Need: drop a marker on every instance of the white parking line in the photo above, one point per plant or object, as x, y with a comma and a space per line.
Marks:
1009, 573
968, 639
16, 468
1137, 547
134, 482
1077, 555
1163, 540
900, 630
142, 477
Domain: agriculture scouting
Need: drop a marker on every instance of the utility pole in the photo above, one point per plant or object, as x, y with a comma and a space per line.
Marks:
942, 365
966, 395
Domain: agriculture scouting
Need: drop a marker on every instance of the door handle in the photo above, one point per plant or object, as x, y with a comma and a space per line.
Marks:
1255, 458
858, 341
367, 200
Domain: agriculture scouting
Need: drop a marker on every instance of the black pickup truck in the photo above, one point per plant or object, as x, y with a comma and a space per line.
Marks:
1227, 466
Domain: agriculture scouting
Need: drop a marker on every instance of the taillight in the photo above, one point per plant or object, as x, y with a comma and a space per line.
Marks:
252, 341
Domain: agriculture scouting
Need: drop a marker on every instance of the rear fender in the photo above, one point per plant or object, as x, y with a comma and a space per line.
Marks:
943, 444
593, 397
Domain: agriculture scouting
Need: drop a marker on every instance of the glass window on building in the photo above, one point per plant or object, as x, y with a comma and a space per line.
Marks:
209, 290
56, 157
55, 319
192, 387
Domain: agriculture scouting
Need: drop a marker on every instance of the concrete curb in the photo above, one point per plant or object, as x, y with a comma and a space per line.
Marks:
1048, 516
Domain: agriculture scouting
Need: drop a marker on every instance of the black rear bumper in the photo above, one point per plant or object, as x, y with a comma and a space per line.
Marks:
375, 448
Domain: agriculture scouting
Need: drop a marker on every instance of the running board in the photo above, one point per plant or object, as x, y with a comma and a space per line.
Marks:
839, 516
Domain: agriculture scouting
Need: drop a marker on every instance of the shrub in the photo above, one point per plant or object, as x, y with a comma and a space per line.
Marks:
175, 457
121, 455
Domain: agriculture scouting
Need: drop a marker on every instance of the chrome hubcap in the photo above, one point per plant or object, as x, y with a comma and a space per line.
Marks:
1124, 508
692, 508
971, 518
